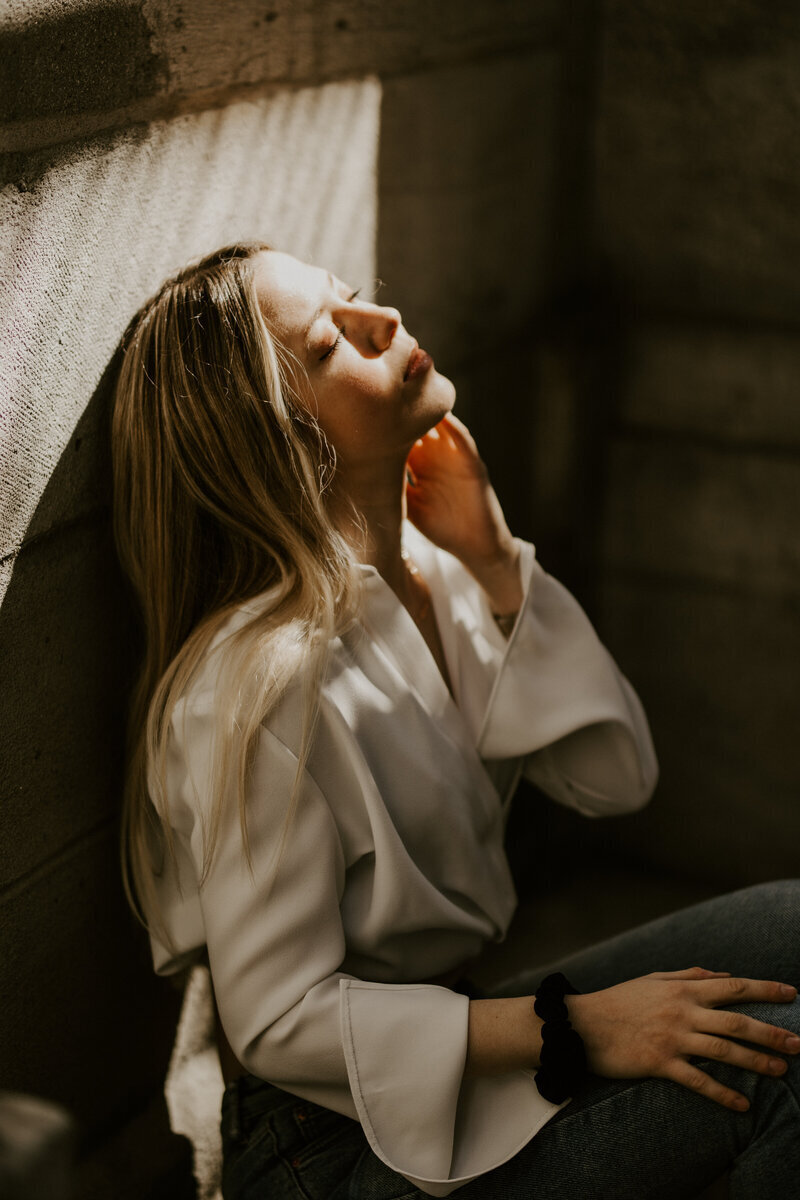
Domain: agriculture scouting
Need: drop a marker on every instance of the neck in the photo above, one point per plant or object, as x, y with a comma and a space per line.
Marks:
374, 532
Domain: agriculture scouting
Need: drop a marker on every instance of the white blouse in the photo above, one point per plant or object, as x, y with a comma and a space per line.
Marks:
393, 869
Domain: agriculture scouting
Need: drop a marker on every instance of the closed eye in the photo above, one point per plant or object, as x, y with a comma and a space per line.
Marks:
341, 332
331, 350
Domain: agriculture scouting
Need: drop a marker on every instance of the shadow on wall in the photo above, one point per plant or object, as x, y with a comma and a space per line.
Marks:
92, 1025
49, 65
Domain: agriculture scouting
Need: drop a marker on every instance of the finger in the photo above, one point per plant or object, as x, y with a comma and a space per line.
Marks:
748, 1029
720, 1049
431, 442
689, 973
736, 990
446, 434
424, 451
456, 426
698, 1081
459, 433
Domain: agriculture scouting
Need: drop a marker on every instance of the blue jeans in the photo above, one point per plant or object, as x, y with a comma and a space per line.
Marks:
644, 1139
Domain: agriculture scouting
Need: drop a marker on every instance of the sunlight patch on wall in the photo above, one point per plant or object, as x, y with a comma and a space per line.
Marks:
94, 236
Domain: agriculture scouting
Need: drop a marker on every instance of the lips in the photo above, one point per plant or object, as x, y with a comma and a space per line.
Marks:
418, 363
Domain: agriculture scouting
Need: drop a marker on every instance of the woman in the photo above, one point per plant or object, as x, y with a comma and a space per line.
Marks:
335, 708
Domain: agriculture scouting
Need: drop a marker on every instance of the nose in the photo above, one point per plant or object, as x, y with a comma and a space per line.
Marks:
388, 323
371, 327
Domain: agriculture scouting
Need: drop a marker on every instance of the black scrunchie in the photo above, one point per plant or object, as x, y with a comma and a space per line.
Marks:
563, 1059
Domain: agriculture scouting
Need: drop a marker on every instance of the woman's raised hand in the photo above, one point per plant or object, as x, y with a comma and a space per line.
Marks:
450, 499
651, 1026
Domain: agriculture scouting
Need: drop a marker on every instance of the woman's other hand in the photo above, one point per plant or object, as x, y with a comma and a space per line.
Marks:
651, 1026
451, 500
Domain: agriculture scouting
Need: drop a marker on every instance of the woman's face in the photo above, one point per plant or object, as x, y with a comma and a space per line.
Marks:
373, 391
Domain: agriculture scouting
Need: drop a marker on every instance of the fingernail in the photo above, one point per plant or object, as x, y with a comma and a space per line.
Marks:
741, 1104
777, 1066
788, 991
793, 1041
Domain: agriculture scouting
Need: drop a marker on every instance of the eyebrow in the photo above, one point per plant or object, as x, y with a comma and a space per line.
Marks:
317, 314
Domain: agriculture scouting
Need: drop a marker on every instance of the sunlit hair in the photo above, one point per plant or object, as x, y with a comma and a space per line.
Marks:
219, 476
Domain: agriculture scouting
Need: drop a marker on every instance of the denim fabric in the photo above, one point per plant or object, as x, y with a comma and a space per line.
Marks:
644, 1139
276, 1147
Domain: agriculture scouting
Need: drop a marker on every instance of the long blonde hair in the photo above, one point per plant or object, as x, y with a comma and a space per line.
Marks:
219, 481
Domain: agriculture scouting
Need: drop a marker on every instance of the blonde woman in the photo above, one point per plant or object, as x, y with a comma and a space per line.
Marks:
350, 662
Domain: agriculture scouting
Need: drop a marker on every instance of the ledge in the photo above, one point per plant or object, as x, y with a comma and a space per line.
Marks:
74, 69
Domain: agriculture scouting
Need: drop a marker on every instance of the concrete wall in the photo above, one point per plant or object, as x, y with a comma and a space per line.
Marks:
697, 236
137, 134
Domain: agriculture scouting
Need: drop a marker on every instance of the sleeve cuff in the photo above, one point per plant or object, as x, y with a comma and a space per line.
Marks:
405, 1047
556, 676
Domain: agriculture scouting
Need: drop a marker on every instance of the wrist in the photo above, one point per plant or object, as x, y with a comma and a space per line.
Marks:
579, 1006
563, 1066
503, 1035
499, 576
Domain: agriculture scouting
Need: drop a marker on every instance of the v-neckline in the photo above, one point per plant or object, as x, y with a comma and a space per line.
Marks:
431, 616
398, 635
398, 643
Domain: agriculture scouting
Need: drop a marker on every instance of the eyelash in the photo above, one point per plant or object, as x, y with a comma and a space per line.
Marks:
340, 335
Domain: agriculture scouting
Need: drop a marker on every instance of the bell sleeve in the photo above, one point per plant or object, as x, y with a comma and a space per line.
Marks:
389, 1055
551, 694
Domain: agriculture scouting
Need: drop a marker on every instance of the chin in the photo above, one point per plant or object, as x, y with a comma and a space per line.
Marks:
433, 402
442, 395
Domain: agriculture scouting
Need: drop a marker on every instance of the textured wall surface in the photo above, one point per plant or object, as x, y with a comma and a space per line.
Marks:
698, 195
87, 238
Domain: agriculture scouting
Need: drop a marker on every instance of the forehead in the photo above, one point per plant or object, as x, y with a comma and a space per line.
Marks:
289, 292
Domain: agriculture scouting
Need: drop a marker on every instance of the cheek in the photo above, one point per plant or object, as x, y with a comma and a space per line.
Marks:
359, 397
346, 417
366, 384
361, 410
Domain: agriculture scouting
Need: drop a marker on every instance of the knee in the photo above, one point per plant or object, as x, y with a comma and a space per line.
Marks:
780, 898
763, 920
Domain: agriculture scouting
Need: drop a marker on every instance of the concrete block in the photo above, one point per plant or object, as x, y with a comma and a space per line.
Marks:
286, 40
717, 673
728, 384
83, 1019
72, 70
698, 177
679, 510
67, 645
89, 235
466, 172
